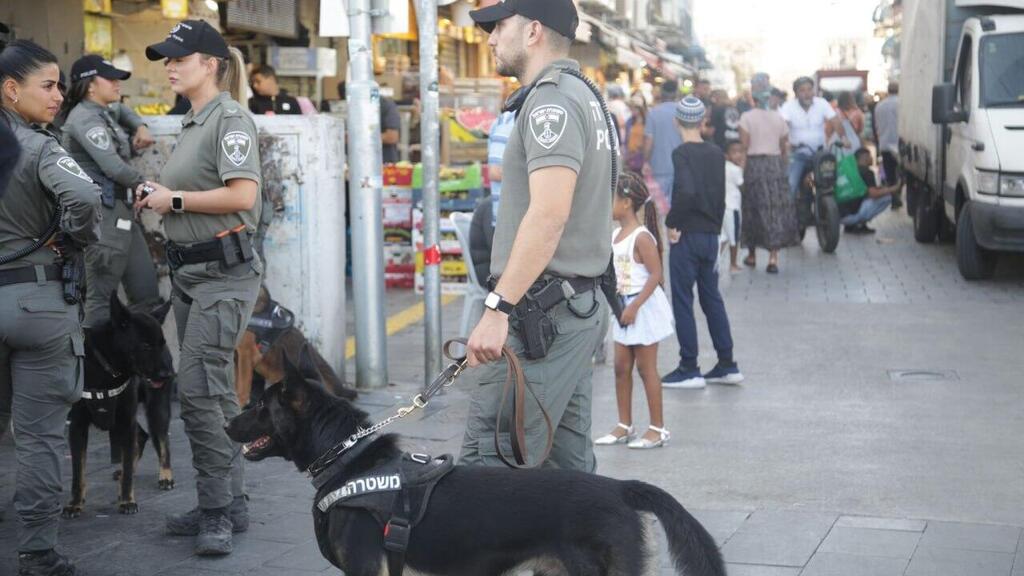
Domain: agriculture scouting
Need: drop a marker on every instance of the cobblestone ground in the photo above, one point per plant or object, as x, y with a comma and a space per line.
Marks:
878, 432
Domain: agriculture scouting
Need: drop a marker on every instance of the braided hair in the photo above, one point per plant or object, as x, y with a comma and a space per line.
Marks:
631, 185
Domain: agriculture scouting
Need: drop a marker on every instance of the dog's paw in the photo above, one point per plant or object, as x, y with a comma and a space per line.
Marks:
166, 483
127, 507
117, 475
71, 511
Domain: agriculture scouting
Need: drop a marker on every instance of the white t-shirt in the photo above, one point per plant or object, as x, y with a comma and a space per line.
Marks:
733, 181
807, 127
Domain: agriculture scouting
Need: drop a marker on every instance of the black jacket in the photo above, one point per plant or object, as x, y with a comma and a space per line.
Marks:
481, 236
282, 104
698, 189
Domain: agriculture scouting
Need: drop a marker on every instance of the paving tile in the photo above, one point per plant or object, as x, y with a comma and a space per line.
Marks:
871, 542
839, 564
248, 554
721, 524
304, 558
758, 570
949, 562
779, 548
881, 523
291, 527
962, 536
789, 521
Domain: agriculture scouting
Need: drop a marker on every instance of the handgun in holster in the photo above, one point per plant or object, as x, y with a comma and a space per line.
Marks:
237, 246
531, 320
610, 289
72, 269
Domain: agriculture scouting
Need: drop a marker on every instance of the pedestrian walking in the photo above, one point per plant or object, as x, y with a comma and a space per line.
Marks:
103, 149
646, 316
208, 195
557, 190
887, 124
662, 138
694, 223
769, 214
41, 341
635, 129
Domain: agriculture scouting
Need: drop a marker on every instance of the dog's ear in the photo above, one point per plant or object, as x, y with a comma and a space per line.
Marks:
119, 314
307, 366
293, 386
160, 312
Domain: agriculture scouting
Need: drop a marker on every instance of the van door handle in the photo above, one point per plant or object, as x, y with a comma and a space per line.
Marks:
978, 146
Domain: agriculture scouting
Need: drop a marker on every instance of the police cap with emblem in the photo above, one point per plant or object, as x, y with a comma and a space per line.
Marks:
559, 15
94, 65
188, 37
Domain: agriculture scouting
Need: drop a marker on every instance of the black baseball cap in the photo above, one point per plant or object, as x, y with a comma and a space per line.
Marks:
559, 15
188, 37
95, 65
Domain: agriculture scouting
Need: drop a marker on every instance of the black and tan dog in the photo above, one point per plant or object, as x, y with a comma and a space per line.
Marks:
477, 521
128, 349
269, 339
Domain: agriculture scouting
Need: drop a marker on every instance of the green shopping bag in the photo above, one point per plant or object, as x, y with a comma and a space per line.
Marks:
849, 184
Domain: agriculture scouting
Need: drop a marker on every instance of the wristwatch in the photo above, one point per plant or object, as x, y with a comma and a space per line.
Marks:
494, 301
178, 203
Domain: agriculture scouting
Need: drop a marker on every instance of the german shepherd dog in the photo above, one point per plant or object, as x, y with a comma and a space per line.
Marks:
120, 353
270, 338
479, 521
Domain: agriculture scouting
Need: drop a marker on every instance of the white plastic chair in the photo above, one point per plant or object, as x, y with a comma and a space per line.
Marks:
473, 300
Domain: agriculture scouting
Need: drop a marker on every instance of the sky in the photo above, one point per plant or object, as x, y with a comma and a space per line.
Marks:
792, 34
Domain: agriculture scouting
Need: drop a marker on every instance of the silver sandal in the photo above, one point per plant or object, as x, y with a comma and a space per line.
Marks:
642, 443
611, 439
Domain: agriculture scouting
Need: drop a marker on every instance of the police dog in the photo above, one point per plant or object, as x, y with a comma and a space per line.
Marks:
479, 521
119, 353
270, 337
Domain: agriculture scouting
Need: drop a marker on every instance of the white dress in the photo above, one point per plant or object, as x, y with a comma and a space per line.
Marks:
654, 321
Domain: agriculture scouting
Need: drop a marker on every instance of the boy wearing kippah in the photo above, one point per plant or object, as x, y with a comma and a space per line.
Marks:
694, 223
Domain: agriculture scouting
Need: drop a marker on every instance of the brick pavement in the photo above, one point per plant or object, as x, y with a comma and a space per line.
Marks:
822, 464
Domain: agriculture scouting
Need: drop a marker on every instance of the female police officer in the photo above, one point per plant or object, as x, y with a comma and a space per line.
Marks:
208, 194
101, 147
41, 340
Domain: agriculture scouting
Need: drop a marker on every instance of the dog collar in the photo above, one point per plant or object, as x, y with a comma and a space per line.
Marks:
104, 394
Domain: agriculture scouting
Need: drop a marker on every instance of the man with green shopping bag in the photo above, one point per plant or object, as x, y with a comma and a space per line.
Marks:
859, 196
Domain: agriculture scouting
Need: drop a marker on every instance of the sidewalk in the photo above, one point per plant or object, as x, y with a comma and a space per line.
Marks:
878, 432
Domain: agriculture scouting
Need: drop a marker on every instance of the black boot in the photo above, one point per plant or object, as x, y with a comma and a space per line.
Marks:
44, 563
214, 533
187, 524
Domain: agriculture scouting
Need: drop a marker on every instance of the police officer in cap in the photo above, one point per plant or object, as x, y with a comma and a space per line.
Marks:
102, 147
209, 195
41, 342
554, 227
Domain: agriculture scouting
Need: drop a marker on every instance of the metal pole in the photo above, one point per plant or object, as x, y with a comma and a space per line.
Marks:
365, 182
430, 141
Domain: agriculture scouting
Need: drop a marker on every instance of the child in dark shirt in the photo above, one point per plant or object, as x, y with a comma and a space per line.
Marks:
694, 223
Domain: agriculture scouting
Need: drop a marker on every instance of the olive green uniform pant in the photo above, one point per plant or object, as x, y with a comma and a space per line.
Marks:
562, 382
41, 347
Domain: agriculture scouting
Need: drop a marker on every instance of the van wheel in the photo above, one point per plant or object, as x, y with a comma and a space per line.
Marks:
974, 261
925, 221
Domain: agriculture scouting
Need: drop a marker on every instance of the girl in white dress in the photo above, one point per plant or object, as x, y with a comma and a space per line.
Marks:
646, 316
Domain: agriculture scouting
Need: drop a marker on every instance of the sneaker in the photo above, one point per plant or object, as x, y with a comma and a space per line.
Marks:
865, 229
683, 379
45, 563
187, 524
724, 374
214, 537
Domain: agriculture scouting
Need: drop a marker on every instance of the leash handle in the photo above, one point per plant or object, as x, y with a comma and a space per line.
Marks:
515, 386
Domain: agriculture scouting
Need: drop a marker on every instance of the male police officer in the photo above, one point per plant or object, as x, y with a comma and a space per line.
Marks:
554, 228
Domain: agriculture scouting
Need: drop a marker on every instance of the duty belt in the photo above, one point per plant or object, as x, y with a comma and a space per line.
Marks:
579, 285
231, 248
27, 275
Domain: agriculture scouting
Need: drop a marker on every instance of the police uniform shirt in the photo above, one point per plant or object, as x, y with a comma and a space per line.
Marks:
561, 123
216, 144
45, 171
100, 145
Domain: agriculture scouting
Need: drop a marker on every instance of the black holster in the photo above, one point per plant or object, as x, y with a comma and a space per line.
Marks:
72, 270
609, 286
530, 318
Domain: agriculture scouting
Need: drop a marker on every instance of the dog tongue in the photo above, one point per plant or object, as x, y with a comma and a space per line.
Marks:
156, 384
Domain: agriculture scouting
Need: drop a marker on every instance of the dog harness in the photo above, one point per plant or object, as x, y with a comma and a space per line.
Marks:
268, 325
396, 493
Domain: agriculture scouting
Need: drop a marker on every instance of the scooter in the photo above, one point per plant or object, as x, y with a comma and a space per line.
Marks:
816, 202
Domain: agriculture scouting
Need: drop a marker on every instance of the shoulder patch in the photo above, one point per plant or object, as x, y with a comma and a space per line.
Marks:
236, 145
99, 137
547, 123
68, 164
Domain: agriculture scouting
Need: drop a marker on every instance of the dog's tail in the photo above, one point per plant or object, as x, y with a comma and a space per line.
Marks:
692, 549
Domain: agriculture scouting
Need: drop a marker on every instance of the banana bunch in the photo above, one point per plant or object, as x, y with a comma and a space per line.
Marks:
459, 133
154, 109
